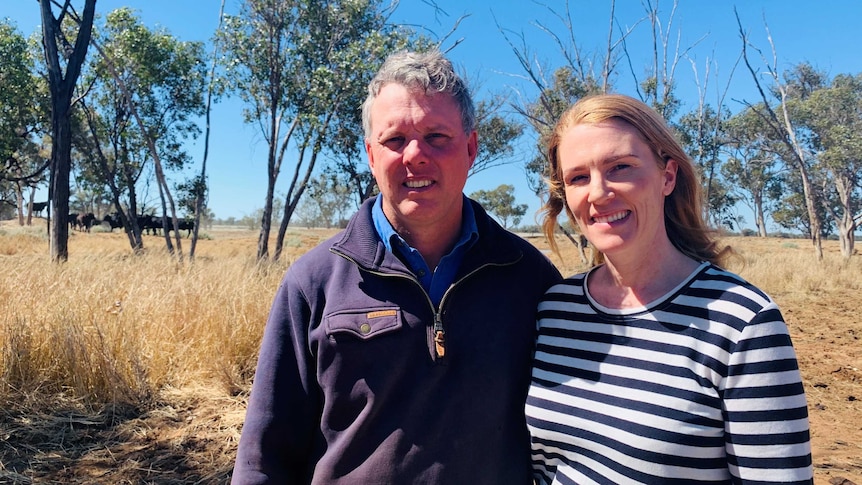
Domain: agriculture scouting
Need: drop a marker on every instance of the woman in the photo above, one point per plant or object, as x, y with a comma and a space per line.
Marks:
657, 365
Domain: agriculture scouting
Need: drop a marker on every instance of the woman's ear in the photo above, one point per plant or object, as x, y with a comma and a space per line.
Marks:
669, 174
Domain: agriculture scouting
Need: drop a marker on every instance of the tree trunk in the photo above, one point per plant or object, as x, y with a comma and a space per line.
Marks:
200, 199
265, 220
813, 217
580, 243
759, 215
30, 206
62, 87
19, 192
61, 154
845, 223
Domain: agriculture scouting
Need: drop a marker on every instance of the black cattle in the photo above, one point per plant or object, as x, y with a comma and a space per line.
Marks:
85, 221
148, 223
38, 207
113, 220
183, 225
73, 220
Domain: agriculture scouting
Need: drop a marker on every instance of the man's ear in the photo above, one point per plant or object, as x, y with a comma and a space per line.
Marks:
369, 154
473, 147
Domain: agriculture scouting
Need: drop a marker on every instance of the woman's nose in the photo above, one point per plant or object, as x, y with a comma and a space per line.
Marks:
599, 189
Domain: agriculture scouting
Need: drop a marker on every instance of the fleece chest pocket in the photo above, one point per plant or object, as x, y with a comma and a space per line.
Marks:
363, 324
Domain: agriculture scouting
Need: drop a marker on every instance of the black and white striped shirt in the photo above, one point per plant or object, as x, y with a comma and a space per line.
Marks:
701, 386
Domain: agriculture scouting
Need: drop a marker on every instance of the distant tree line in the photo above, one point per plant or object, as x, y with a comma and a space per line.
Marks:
301, 67
794, 155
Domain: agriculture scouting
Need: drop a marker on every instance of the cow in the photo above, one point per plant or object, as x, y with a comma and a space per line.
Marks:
182, 224
85, 221
147, 222
73, 221
113, 220
38, 207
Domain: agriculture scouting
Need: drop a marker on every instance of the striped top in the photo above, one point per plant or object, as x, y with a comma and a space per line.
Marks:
701, 385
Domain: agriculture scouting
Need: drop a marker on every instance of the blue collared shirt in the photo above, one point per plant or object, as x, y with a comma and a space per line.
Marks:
438, 281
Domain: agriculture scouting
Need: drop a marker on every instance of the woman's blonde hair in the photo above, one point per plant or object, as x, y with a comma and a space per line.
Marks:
683, 208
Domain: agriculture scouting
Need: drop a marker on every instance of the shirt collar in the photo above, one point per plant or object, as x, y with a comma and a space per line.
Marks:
390, 238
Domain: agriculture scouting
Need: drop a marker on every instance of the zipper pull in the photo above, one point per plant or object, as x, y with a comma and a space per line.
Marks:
439, 336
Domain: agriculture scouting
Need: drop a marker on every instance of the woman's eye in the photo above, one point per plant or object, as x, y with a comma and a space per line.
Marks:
577, 179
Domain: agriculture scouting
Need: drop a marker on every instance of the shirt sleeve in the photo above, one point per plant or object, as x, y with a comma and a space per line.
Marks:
766, 415
282, 413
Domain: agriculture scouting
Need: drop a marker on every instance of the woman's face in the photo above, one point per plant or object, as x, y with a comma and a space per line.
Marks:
615, 187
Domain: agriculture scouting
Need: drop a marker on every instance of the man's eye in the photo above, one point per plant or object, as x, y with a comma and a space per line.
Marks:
436, 139
393, 143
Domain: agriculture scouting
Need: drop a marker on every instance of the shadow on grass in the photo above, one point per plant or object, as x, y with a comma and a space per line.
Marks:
183, 441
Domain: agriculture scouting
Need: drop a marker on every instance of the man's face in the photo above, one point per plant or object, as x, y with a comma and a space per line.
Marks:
420, 157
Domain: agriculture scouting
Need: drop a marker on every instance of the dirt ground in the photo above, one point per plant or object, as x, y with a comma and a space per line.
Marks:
190, 436
826, 333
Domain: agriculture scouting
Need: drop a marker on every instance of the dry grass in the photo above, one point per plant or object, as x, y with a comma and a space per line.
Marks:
94, 351
134, 369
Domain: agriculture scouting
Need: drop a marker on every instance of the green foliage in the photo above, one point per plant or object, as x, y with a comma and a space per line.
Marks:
497, 135
500, 203
326, 202
542, 114
188, 192
834, 116
301, 67
753, 168
153, 73
19, 116
702, 133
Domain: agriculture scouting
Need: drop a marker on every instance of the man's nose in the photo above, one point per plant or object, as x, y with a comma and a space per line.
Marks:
414, 152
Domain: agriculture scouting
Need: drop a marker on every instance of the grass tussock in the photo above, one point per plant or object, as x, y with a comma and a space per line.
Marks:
792, 271
112, 327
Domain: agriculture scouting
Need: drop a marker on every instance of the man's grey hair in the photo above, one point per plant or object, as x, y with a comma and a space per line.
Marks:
428, 71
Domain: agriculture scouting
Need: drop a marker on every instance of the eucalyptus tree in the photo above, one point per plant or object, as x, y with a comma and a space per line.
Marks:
328, 199
657, 89
497, 135
199, 184
791, 212
64, 59
145, 92
501, 203
702, 132
775, 109
301, 67
753, 168
834, 115
20, 163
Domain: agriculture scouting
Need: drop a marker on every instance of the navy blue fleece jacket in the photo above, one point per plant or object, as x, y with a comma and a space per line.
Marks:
349, 388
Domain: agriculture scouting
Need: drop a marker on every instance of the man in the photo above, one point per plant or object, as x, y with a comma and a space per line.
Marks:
398, 352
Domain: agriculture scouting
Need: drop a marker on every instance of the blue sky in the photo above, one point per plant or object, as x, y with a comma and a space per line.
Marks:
822, 33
